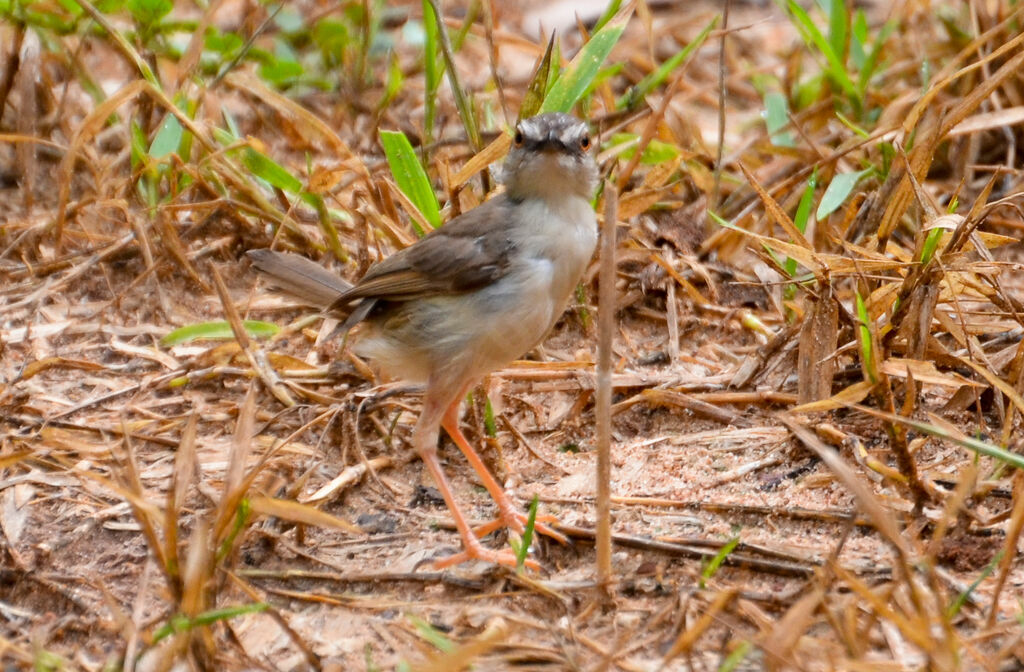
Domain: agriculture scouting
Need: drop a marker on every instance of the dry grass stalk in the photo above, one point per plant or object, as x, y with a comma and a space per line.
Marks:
603, 396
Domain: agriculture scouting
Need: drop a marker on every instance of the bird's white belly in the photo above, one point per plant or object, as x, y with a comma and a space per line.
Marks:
517, 318
471, 334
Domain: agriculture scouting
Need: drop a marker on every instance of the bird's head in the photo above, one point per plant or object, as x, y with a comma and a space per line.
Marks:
550, 157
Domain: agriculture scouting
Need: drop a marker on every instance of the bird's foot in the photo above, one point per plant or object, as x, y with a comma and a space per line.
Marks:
475, 551
516, 522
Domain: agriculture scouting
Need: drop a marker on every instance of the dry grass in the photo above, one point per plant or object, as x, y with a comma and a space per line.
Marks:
818, 386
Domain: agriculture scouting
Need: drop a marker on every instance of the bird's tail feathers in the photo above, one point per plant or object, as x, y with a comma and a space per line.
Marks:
302, 279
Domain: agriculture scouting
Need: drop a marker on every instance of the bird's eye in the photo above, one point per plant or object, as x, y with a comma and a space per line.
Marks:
585, 142
518, 139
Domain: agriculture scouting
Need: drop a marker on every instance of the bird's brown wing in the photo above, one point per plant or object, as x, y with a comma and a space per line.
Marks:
470, 251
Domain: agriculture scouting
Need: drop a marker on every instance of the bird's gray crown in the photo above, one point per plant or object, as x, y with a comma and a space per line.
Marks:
553, 130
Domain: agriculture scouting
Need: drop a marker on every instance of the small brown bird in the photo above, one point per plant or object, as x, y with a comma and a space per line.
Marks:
471, 296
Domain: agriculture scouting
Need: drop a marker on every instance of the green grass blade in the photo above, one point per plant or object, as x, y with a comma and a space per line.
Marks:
217, 331
800, 221
433, 69
182, 623
431, 635
242, 515
712, 567
930, 244
490, 424
609, 11
224, 613
584, 67
461, 101
658, 77
859, 40
733, 660
983, 447
962, 598
838, 26
803, 210
867, 350
812, 36
394, 82
871, 62
846, 121
524, 548
168, 137
538, 87
776, 117
149, 12
265, 168
410, 176
837, 192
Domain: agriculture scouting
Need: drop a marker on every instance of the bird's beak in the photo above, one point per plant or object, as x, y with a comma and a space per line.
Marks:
552, 144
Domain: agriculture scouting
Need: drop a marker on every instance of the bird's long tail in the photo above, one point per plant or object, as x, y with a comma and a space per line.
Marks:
306, 281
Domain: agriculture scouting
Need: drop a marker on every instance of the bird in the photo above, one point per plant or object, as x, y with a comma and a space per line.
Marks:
470, 297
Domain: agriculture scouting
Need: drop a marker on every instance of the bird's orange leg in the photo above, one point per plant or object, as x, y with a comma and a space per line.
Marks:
512, 518
424, 439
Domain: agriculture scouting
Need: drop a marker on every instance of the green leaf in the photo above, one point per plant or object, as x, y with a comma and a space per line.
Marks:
149, 12
962, 598
331, 37
859, 40
990, 450
609, 12
584, 66
281, 73
433, 69
48, 661
866, 343
712, 567
138, 144
837, 192
490, 426
168, 137
845, 121
656, 151
538, 87
217, 331
226, 44
803, 211
431, 634
224, 613
394, 83
242, 514
800, 220
809, 91
232, 131
263, 167
812, 36
871, 63
838, 26
930, 243
524, 548
776, 117
182, 623
736, 657
282, 68
410, 176
70, 6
